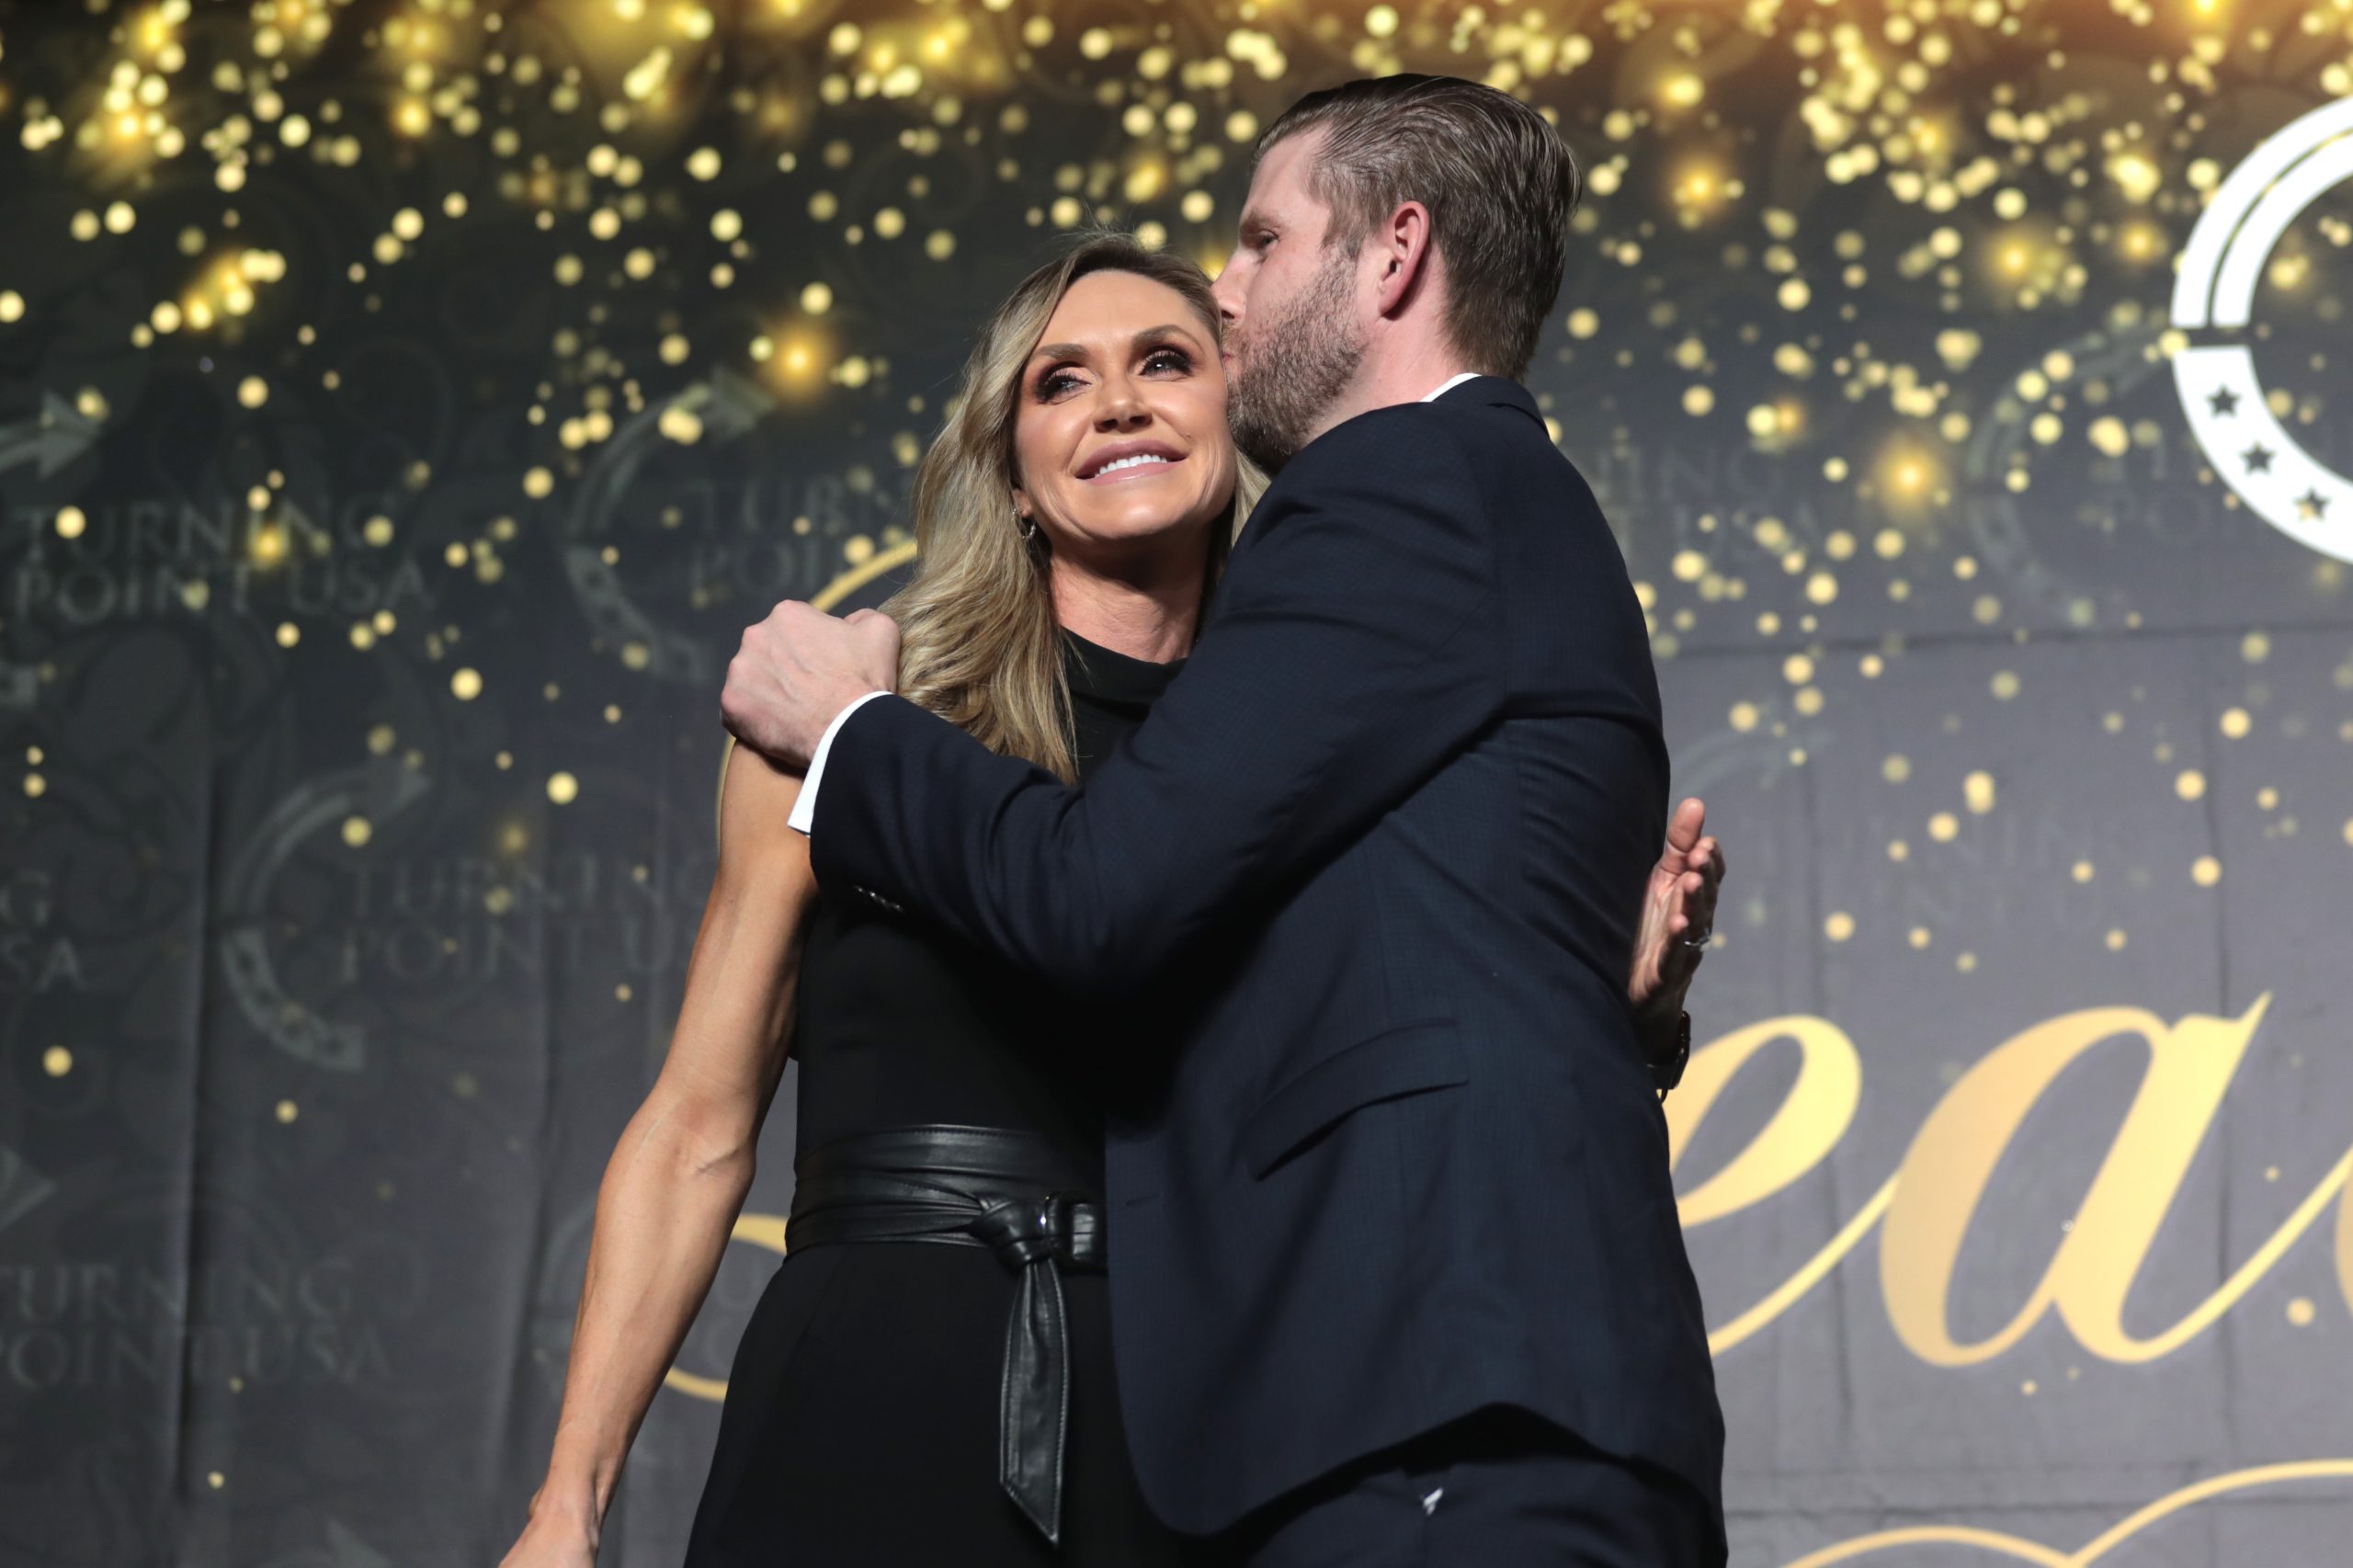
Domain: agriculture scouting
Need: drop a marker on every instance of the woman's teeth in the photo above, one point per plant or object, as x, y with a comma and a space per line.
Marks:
1136, 462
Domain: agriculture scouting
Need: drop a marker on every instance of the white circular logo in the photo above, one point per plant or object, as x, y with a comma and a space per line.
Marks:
2286, 486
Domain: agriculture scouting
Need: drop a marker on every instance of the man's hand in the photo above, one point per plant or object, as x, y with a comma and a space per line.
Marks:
1678, 912
798, 668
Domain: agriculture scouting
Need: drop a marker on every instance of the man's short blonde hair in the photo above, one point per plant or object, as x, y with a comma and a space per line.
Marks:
1497, 179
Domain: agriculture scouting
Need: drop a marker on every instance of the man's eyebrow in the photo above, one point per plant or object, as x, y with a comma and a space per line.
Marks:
1079, 351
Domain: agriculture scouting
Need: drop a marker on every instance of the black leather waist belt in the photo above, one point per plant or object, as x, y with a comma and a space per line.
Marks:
1012, 1192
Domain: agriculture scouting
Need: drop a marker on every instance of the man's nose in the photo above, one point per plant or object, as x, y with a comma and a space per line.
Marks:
1227, 292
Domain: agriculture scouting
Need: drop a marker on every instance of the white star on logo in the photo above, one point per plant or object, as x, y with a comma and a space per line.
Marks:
2228, 413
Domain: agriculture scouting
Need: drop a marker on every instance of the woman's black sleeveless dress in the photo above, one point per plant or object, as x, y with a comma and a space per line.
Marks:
861, 1420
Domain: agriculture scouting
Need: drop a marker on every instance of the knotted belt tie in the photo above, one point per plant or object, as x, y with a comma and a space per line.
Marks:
1011, 1192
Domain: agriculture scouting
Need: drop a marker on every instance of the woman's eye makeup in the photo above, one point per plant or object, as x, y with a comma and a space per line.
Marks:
1164, 360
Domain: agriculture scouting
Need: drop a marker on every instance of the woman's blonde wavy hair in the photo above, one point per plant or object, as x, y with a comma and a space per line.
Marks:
977, 637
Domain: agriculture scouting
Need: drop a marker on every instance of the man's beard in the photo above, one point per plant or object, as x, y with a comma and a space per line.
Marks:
1296, 366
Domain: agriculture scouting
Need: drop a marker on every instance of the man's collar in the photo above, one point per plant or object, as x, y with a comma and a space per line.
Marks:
1501, 390
1450, 384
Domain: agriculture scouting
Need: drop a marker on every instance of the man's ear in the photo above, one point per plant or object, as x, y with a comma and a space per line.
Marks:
1402, 242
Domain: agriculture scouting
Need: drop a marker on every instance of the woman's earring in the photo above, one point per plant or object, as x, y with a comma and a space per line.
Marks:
1025, 527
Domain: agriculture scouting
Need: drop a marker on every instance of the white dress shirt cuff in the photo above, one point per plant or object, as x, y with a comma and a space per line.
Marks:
804, 810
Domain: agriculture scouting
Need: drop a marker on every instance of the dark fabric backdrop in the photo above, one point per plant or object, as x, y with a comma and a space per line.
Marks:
402, 408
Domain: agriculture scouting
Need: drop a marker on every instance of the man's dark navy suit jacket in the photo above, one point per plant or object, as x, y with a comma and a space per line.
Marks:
1406, 1162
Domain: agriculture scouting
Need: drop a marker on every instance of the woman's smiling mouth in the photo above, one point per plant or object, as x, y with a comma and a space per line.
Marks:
1127, 459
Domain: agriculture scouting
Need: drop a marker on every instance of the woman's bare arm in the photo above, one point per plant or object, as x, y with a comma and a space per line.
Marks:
679, 1174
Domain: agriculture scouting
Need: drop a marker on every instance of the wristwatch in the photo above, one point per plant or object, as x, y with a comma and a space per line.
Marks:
1667, 1063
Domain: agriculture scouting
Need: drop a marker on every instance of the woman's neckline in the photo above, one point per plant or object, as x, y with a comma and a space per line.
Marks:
1097, 671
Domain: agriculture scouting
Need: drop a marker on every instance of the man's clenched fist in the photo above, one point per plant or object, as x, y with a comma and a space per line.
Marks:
798, 668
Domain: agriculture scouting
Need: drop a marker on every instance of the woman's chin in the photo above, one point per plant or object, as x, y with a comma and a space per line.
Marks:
1116, 547
1140, 527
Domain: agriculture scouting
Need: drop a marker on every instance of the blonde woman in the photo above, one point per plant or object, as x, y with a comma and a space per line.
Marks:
928, 1377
